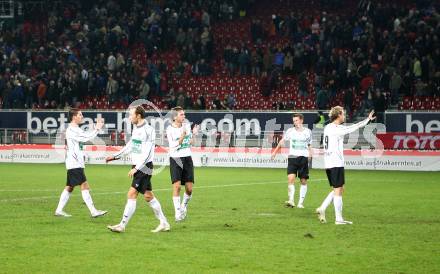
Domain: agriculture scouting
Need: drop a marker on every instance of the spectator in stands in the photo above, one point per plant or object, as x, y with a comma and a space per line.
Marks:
363, 69
333, 83
171, 101
404, 40
302, 84
179, 69
268, 59
243, 61
288, 63
230, 101
379, 104
180, 39
420, 88
29, 96
279, 58
205, 37
274, 80
112, 88
204, 69
322, 99
206, 18
394, 86
7, 95
111, 62
202, 102
41, 92
348, 102
195, 69
228, 56
256, 31
417, 68
144, 90
218, 104
188, 103
256, 62
17, 95
224, 104
198, 105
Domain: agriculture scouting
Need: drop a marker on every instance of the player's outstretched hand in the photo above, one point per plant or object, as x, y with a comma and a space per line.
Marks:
99, 123
371, 116
109, 159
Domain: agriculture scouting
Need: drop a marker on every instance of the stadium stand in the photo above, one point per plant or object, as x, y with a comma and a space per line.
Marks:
222, 55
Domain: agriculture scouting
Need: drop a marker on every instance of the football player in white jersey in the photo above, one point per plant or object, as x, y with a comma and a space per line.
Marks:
75, 136
180, 139
300, 145
334, 160
141, 148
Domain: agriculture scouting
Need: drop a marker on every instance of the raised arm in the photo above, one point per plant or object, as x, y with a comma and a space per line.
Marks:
343, 130
85, 136
82, 136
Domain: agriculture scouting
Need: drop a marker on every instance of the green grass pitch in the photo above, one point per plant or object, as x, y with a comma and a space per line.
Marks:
236, 224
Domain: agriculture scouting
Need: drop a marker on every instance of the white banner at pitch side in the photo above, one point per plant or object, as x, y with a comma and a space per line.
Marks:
232, 157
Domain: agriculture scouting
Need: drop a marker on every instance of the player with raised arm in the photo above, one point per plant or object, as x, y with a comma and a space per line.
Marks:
333, 141
180, 138
75, 165
141, 147
300, 145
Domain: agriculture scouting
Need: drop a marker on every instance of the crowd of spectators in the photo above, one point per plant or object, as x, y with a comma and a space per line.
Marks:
382, 49
87, 49
379, 52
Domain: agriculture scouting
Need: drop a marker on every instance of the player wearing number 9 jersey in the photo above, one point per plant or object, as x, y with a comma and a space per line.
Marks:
334, 160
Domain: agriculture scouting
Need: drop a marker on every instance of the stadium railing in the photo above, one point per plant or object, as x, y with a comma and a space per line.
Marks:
266, 139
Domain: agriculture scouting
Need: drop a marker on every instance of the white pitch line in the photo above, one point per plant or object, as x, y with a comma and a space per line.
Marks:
154, 190
27, 190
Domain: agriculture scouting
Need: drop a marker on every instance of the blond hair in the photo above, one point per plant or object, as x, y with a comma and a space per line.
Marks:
335, 112
175, 111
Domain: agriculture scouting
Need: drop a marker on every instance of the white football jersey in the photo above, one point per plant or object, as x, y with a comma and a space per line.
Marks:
75, 136
173, 135
141, 145
299, 141
334, 142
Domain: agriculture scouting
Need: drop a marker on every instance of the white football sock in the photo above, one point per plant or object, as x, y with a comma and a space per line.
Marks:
337, 201
291, 191
129, 210
157, 209
302, 194
176, 202
186, 199
64, 198
88, 200
327, 201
